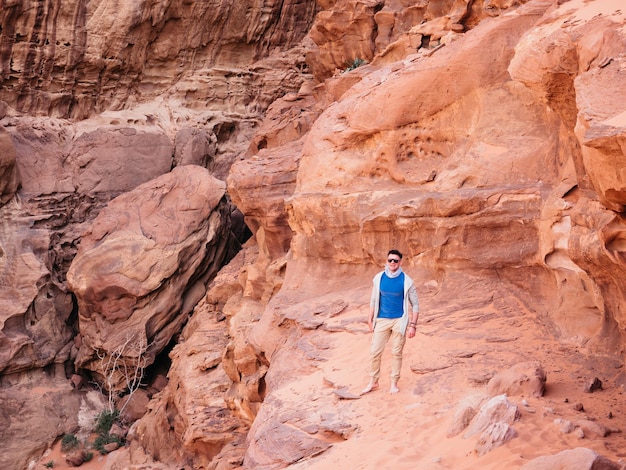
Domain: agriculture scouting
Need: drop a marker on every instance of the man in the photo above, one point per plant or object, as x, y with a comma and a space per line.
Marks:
394, 310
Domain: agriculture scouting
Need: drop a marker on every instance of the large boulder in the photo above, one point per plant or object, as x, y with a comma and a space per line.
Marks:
143, 266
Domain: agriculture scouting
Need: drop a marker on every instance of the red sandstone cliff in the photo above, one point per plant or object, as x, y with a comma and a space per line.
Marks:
482, 138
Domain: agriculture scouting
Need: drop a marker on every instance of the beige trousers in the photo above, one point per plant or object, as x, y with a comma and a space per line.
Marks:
386, 329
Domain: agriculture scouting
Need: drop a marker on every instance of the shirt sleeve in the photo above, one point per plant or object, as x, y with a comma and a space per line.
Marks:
413, 298
373, 294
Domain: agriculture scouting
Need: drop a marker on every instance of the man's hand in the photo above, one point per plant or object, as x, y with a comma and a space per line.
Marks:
412, 327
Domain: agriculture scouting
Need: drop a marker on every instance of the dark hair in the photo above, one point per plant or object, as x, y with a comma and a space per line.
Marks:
394, 252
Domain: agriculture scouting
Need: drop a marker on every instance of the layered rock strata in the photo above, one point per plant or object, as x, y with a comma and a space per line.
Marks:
76, 59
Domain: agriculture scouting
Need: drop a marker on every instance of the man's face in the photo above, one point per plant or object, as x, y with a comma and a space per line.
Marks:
393, 262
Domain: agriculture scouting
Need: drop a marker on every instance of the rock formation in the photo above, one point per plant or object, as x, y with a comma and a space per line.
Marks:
481, 138
214, 70
143, 266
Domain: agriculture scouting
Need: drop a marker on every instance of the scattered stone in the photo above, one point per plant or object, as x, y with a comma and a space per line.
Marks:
494, 436
110, 447
564, 425
135, 405
525, 379
118, 431
159, 383
77, 381
77, 458
578, 406
461, 421
345, 394
457, 27
496, 410
592, 386
481, 378
592, 427
579, 458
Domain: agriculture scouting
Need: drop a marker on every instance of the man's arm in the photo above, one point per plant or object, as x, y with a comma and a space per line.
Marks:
373, 299
415, 304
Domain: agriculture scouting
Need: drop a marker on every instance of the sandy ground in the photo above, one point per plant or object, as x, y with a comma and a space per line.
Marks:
448, 363
56, 458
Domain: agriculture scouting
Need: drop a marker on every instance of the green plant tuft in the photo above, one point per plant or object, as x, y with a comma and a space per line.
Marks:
105, 420
104, 439
104, 423
356, 63
69, 442
49, 464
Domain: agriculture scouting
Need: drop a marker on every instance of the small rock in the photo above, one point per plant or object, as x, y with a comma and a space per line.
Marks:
578, 406
565, 426
457, 27
579, 458
118, 431
77, 381
461, 420
595, 384
497, 410
592, 427
159, 383
345, 394
111, 446
494, 436
76, 459
523, 379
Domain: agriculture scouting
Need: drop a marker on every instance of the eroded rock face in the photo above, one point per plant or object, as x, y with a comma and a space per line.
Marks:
204, 413
35, 310
482, 174
191, 81
40, 398
143, 266
72, 59
9, 179
350, 32
417, 149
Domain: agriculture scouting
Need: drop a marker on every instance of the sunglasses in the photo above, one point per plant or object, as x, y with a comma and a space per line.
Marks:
392, 260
